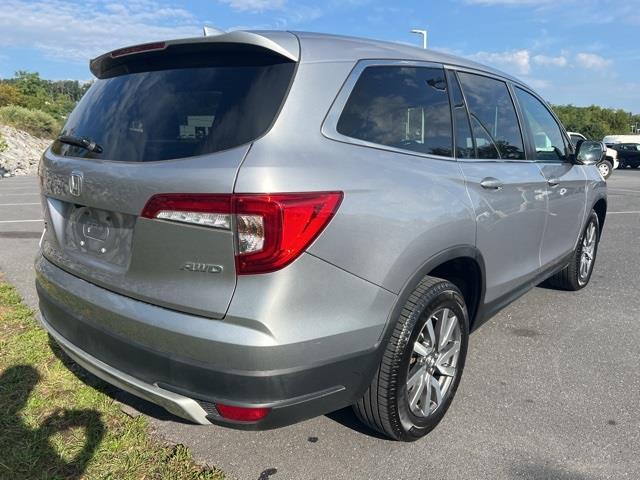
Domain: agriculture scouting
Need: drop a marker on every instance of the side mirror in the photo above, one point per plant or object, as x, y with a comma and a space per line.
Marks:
590, 152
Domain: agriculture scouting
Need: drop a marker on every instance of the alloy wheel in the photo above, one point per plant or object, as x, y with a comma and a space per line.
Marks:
587, 253
433, 362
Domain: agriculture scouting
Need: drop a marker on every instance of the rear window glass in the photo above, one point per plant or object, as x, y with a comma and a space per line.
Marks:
177, 112
401, 107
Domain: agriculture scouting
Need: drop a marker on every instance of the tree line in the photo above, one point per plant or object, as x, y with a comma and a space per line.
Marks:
595, 122
55, 97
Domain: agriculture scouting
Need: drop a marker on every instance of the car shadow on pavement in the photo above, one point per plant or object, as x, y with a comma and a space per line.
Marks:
138, 405
27, 450
347, 418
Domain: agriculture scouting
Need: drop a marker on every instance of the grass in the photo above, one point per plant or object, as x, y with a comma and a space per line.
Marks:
36, 122
53, 425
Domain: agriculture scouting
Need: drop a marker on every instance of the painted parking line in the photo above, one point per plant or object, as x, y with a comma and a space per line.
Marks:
17, 204
619, 213
615, 190
17, 194
21, 221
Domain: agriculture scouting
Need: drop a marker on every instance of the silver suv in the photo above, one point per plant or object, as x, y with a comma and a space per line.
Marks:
256, 228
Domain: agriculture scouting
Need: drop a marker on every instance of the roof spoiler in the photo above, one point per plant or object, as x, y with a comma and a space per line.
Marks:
284, 44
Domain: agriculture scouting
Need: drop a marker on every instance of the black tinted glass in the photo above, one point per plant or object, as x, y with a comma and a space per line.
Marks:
487, 149
402, 107
464, 138
545, 131
178, 112
494, 120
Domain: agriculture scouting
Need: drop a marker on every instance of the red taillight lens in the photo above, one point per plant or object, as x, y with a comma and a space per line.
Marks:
206, 210
291, 222
242, 414
271, 230
187, 202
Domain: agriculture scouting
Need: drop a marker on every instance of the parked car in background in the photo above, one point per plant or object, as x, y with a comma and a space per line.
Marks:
628, 154
610, 161
256, 228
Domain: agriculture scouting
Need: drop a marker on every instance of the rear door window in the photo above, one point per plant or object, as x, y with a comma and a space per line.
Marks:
547, 136
400, 107
170, 111
493, 117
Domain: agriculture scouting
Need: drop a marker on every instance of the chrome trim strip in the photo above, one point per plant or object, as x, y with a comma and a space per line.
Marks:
179, 405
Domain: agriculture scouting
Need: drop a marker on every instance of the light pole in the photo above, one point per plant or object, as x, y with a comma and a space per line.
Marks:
424, 36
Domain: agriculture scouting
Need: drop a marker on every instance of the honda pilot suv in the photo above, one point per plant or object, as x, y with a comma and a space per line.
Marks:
256, 228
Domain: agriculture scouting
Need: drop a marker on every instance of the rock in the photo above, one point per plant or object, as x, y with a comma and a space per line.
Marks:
23, 153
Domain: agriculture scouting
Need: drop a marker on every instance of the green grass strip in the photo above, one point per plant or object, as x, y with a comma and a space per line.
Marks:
56, 422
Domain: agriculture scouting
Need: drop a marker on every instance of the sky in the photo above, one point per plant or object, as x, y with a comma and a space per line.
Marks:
581, 52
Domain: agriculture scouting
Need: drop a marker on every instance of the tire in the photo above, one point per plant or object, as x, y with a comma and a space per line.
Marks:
385, 405
605, 167
635, 166
571, 277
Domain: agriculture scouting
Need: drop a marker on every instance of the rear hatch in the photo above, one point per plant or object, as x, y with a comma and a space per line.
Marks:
176, 117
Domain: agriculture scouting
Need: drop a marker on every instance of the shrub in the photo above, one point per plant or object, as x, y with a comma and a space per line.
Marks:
9, 95
36, 122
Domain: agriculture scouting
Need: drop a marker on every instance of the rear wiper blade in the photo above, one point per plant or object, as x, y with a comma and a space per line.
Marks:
81, 142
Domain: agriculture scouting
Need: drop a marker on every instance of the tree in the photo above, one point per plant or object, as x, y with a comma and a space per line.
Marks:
9, 95
56, 97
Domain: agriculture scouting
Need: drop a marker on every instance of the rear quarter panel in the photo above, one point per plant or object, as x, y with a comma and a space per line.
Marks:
398, 210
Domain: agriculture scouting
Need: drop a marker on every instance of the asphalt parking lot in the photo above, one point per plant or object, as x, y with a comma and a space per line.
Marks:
551, 388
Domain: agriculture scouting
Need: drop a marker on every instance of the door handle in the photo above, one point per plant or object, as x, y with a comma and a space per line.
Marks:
553, 182
491, 183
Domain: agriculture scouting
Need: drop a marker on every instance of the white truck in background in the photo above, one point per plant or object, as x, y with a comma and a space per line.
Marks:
609, 139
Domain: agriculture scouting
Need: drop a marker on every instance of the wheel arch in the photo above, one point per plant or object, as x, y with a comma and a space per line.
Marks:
600, 207
462, 265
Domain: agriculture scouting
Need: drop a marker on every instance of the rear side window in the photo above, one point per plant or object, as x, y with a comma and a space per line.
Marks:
401, 107
544, 130
169, 112
493, 117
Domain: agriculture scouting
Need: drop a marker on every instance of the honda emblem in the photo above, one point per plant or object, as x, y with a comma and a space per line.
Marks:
75, 184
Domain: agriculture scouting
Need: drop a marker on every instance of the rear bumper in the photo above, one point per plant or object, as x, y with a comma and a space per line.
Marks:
177, 404
187, 364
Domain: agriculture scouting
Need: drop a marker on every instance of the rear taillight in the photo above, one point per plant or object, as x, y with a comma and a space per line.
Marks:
271, 230
202, 209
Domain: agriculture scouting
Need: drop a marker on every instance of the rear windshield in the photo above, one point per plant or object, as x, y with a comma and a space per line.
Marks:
177, 112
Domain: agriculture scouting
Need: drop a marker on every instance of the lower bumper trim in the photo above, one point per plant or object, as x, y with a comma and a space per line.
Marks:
177, 404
